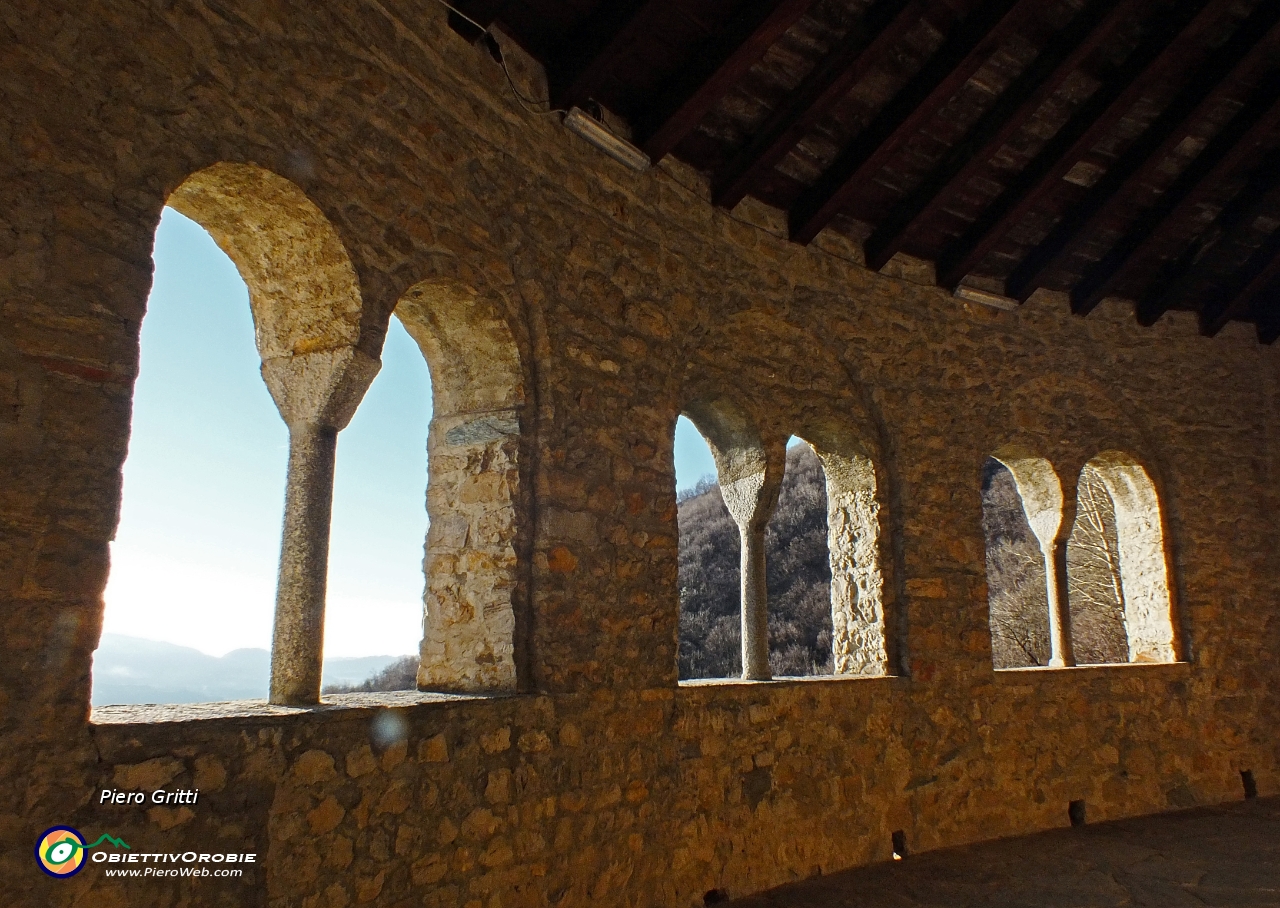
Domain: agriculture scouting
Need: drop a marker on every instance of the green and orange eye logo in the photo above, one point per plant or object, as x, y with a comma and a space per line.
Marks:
60, 850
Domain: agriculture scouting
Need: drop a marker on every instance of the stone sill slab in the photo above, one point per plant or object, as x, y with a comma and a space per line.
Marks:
346, 705
1046, 672
153, 713
787, 679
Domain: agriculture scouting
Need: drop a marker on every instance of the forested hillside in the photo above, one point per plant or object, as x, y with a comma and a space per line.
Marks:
799, 578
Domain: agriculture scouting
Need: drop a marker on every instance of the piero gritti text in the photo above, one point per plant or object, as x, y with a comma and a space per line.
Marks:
159, 796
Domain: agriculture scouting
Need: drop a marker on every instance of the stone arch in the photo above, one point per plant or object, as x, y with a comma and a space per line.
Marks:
472, 617
750, 475
303, 287
307, 308
1041, 493
1148, 609
859, 638
1039, 488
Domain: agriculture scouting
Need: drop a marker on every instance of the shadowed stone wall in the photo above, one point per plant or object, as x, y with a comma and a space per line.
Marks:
627, 297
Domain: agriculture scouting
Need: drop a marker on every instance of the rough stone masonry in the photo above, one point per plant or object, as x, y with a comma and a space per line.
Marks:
358, 158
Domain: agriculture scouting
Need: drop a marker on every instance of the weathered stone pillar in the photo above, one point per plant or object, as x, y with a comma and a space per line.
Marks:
749, 481
1057, 587
750, 500
1055, 578
755, 605
1042, 500
317, 394
297, 642
858, 640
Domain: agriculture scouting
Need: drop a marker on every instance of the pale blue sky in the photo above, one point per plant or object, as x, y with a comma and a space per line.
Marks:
194, 560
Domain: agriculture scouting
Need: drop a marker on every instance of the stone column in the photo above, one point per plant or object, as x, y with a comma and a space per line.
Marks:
750, 501
1055, 580
1057, 587
317, 394
297, 642
755, 606
1042, 500
750, 475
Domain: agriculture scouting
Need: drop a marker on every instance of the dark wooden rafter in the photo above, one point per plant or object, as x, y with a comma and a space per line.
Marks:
883, 26
1149, 151
1065, 53
667, 66
962, 54
576, 67
714, 69
1230, 149
1165, 288
1160, 55
1258, 275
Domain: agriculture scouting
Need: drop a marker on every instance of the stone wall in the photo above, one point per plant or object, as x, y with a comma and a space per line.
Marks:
629, 298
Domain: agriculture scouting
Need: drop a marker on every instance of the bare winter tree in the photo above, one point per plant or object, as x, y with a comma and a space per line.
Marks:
1095, 591
1015, 574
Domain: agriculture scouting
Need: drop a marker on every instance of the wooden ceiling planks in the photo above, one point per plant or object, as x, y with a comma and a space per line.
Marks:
713, 71
1115, 148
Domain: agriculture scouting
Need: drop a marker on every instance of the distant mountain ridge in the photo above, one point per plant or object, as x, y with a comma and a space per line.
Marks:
135, 670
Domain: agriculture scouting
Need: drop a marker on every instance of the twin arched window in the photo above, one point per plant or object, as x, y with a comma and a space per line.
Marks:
750, 477
1088, 591
319, 342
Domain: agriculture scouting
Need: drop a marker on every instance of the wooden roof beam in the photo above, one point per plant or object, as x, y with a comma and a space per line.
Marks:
1242, 210
964, 52
1066, 52
574, 71
1234, 144
1160, 55
714, 70
1248, 286
1150, 150
866, 43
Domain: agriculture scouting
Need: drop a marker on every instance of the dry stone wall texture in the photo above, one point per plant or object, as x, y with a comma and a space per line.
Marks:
601, 781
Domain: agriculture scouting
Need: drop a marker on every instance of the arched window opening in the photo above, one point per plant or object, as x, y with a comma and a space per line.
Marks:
1016, 574
799, 569
307, 326
373, 616
1096, 589
190, 596
748, 486
1141, 604
709, 564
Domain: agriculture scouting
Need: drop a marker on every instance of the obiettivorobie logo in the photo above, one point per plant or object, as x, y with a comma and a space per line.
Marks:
60, 850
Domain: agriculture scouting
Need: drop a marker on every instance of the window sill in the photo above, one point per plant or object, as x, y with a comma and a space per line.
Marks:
1180, 669
786, 679
155, 714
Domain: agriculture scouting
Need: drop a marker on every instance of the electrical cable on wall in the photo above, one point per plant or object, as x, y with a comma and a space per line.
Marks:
495, 50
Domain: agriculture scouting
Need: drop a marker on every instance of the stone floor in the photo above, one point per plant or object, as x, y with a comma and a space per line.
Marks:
1220, 856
